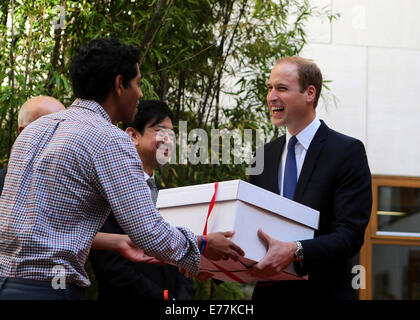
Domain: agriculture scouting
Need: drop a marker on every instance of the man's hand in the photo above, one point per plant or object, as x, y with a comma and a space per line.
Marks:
279, 255
219, 246
132, 252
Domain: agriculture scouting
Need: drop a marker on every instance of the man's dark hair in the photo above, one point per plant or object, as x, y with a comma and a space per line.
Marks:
96, 65
149, 111
308, 74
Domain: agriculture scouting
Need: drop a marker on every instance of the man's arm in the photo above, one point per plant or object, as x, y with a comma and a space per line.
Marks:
122, 244
118, 175
351, 213
115, 273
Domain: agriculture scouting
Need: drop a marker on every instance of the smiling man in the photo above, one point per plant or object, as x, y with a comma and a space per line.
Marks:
68, 170
322, 169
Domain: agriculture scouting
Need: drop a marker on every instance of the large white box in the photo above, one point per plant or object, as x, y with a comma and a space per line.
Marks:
244, 208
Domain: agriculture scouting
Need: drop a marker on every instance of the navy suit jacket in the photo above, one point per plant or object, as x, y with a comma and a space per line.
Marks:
335, 180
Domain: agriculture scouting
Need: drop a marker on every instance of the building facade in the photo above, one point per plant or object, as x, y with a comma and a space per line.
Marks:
371, 54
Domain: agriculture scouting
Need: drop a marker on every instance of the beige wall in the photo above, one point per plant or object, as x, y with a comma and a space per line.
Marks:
372, 55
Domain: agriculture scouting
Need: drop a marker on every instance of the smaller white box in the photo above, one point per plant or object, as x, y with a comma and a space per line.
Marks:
244, 208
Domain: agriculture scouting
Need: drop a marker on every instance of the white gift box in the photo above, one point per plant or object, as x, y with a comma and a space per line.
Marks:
244, 208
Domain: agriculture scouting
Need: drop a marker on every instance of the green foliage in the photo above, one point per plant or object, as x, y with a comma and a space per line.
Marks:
209, 290
209, 59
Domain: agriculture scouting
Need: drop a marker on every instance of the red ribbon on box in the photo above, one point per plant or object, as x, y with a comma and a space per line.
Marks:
226, 272
213, 201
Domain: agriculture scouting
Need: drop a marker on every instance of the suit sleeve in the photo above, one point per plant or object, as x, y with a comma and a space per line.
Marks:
117, 274
351, 212
184, 289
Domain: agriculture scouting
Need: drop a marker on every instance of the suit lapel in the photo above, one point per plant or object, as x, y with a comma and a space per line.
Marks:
310, 160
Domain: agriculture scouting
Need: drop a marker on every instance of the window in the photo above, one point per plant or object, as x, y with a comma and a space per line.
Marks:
395, 272
398, 211
391, 253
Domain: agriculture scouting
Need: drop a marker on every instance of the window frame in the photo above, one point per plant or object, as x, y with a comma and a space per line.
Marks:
371, 238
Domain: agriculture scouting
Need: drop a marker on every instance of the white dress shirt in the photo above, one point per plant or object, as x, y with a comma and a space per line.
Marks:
304, 140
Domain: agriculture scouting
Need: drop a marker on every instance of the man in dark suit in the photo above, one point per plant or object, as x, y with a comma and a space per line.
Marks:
117, 277
322, 169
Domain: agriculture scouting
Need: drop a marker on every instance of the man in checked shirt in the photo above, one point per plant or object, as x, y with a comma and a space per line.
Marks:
69, 169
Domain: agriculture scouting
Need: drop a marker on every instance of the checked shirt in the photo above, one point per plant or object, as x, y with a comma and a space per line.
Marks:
66, 172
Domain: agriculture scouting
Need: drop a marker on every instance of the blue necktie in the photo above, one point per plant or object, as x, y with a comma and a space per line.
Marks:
290, 170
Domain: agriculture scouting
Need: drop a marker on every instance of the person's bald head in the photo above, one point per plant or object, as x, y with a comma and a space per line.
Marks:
37, 107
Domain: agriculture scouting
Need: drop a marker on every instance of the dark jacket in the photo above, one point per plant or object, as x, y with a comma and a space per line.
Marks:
335, 180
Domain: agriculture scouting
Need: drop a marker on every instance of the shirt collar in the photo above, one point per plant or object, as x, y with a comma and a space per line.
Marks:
146, 176
306, 135
93, 106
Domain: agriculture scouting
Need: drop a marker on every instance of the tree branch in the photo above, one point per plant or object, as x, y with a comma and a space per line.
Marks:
55, 54
12, 81
219, 57
155, 17
222, 65
162, 21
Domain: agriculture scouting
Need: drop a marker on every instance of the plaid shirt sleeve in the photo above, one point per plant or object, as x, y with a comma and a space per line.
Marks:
118, 174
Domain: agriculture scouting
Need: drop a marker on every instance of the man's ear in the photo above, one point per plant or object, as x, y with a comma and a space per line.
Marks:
311, 93
132, 133
118, 84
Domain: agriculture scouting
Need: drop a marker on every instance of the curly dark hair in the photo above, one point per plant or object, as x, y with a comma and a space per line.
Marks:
96, 65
